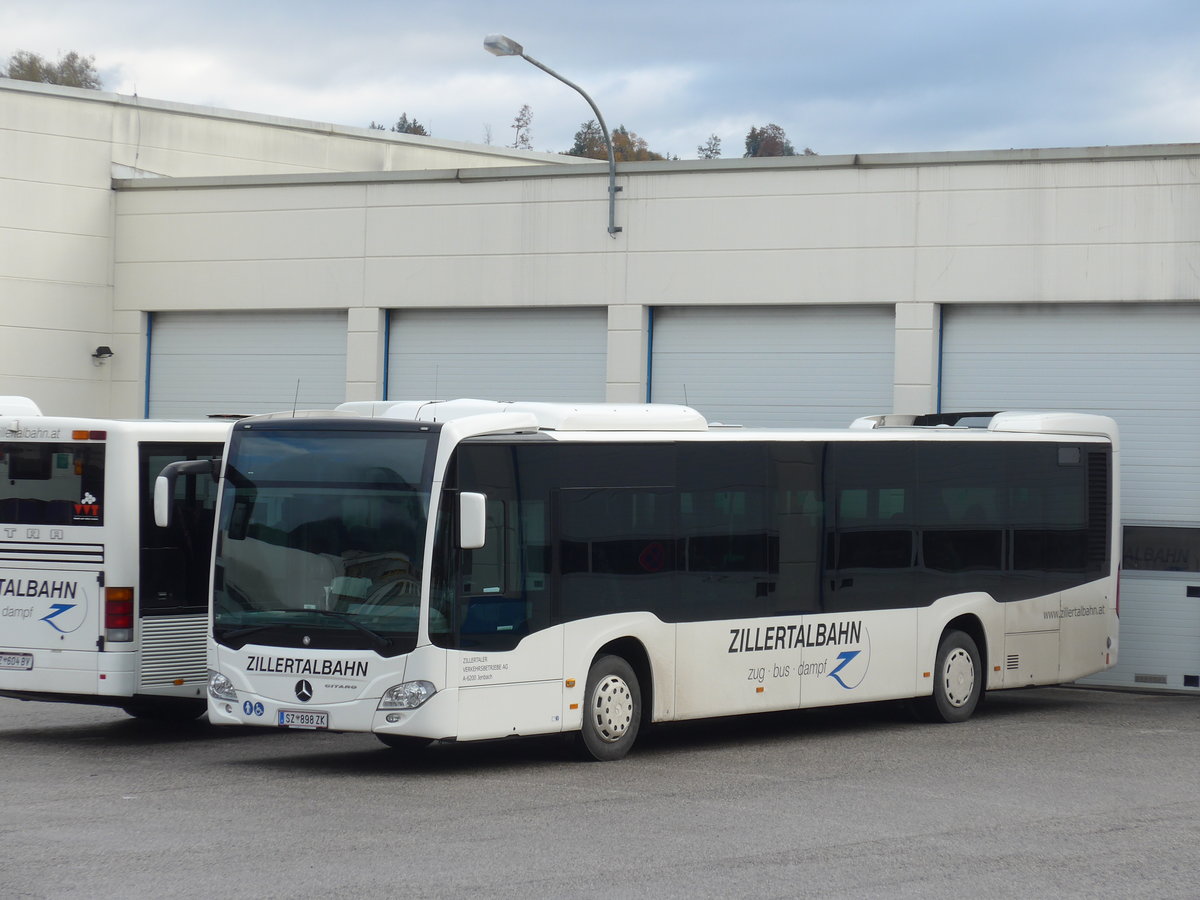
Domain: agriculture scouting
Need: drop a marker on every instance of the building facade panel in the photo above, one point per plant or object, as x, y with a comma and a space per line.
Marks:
565, 279
777, 223
1090, 273
234, 284
259, 235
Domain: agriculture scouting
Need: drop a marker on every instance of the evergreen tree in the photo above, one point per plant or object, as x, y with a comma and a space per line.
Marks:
71, 70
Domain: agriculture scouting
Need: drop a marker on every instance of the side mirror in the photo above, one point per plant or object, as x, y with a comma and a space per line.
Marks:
164, 484
472, 520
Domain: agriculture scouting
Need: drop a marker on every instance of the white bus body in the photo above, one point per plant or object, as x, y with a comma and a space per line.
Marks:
470, 570
96, 604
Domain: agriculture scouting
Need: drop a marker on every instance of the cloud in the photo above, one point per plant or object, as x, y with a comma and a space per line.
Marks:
841, 76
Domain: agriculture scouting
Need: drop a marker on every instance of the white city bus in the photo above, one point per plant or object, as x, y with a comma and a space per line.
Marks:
97, 605
470, 570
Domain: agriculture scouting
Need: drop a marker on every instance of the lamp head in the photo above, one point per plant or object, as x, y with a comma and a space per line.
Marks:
499, 45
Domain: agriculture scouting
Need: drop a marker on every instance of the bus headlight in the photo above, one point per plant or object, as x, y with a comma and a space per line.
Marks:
220, 687
409, 695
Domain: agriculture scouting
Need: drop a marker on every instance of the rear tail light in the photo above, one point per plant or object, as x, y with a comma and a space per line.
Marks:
118, 614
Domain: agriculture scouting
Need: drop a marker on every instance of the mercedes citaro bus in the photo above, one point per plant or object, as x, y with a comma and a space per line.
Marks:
469, 570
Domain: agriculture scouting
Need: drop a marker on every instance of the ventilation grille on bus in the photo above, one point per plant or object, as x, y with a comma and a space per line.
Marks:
29, 552
173, 650
1014, 662
1099, 485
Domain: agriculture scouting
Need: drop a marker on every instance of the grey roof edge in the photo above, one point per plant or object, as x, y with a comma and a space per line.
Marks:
212, 112
679, 167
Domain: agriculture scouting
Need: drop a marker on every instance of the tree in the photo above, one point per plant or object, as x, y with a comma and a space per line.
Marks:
71, 70
627, 146
710, 149
405, 125
589, 141
770, 140
521, 127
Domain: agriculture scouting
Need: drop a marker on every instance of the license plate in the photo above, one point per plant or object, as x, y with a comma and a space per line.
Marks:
16, 660
303, 718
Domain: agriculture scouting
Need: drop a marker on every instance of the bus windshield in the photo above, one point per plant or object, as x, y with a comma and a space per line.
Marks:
321, 538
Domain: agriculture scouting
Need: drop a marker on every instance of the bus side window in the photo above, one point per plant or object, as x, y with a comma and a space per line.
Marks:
870, 526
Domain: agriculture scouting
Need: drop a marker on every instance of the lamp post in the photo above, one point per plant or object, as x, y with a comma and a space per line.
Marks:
499, 45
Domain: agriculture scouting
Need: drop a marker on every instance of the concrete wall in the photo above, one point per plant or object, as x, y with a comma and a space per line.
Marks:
59, 151
1099, 225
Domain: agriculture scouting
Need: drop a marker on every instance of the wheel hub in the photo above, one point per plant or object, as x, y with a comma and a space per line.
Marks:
959, 677
612, 708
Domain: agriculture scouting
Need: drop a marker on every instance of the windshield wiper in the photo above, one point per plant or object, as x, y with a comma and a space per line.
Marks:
379, 640
376, 638
238, 633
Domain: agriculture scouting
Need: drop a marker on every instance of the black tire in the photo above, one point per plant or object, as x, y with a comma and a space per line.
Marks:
612, 712
958, 680
167, 710
404, 744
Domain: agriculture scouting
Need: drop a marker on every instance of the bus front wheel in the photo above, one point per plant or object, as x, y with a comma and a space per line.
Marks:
958, 680
612, 710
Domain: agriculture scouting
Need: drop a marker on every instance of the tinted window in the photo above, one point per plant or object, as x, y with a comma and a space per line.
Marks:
705, 530
869, 544
174, 560
52, 483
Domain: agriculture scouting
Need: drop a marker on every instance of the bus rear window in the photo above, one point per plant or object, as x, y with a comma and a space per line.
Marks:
52, 484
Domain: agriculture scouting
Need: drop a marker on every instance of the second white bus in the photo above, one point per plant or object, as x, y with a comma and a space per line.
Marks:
472, 570
97, 604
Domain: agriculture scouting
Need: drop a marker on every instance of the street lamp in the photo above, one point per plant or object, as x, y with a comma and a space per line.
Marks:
499, 45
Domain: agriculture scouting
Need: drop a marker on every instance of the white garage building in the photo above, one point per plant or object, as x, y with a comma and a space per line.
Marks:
239, 264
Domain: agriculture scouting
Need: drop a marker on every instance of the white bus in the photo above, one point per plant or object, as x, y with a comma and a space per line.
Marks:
97, 605
471, 570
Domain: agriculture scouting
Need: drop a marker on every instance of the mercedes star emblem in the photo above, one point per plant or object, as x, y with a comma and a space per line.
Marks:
303, 691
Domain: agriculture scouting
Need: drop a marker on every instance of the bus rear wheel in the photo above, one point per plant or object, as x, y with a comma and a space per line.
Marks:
612, 711
958, 680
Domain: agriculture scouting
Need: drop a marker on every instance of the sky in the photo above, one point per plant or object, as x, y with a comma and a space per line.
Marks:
839, 76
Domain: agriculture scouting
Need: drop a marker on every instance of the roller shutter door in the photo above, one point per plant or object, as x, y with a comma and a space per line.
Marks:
1140, 364
498, 354
246, 362
775, 366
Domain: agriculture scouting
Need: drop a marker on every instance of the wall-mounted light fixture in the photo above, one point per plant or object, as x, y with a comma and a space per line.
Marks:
102, 353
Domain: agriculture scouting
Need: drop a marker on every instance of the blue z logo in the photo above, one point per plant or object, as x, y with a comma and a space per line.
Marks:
845, 656
57, 609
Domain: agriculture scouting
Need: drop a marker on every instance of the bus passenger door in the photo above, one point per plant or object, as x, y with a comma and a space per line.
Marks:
172, 595
509, 665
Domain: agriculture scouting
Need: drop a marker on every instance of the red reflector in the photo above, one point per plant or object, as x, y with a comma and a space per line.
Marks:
98, 435
118, 607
